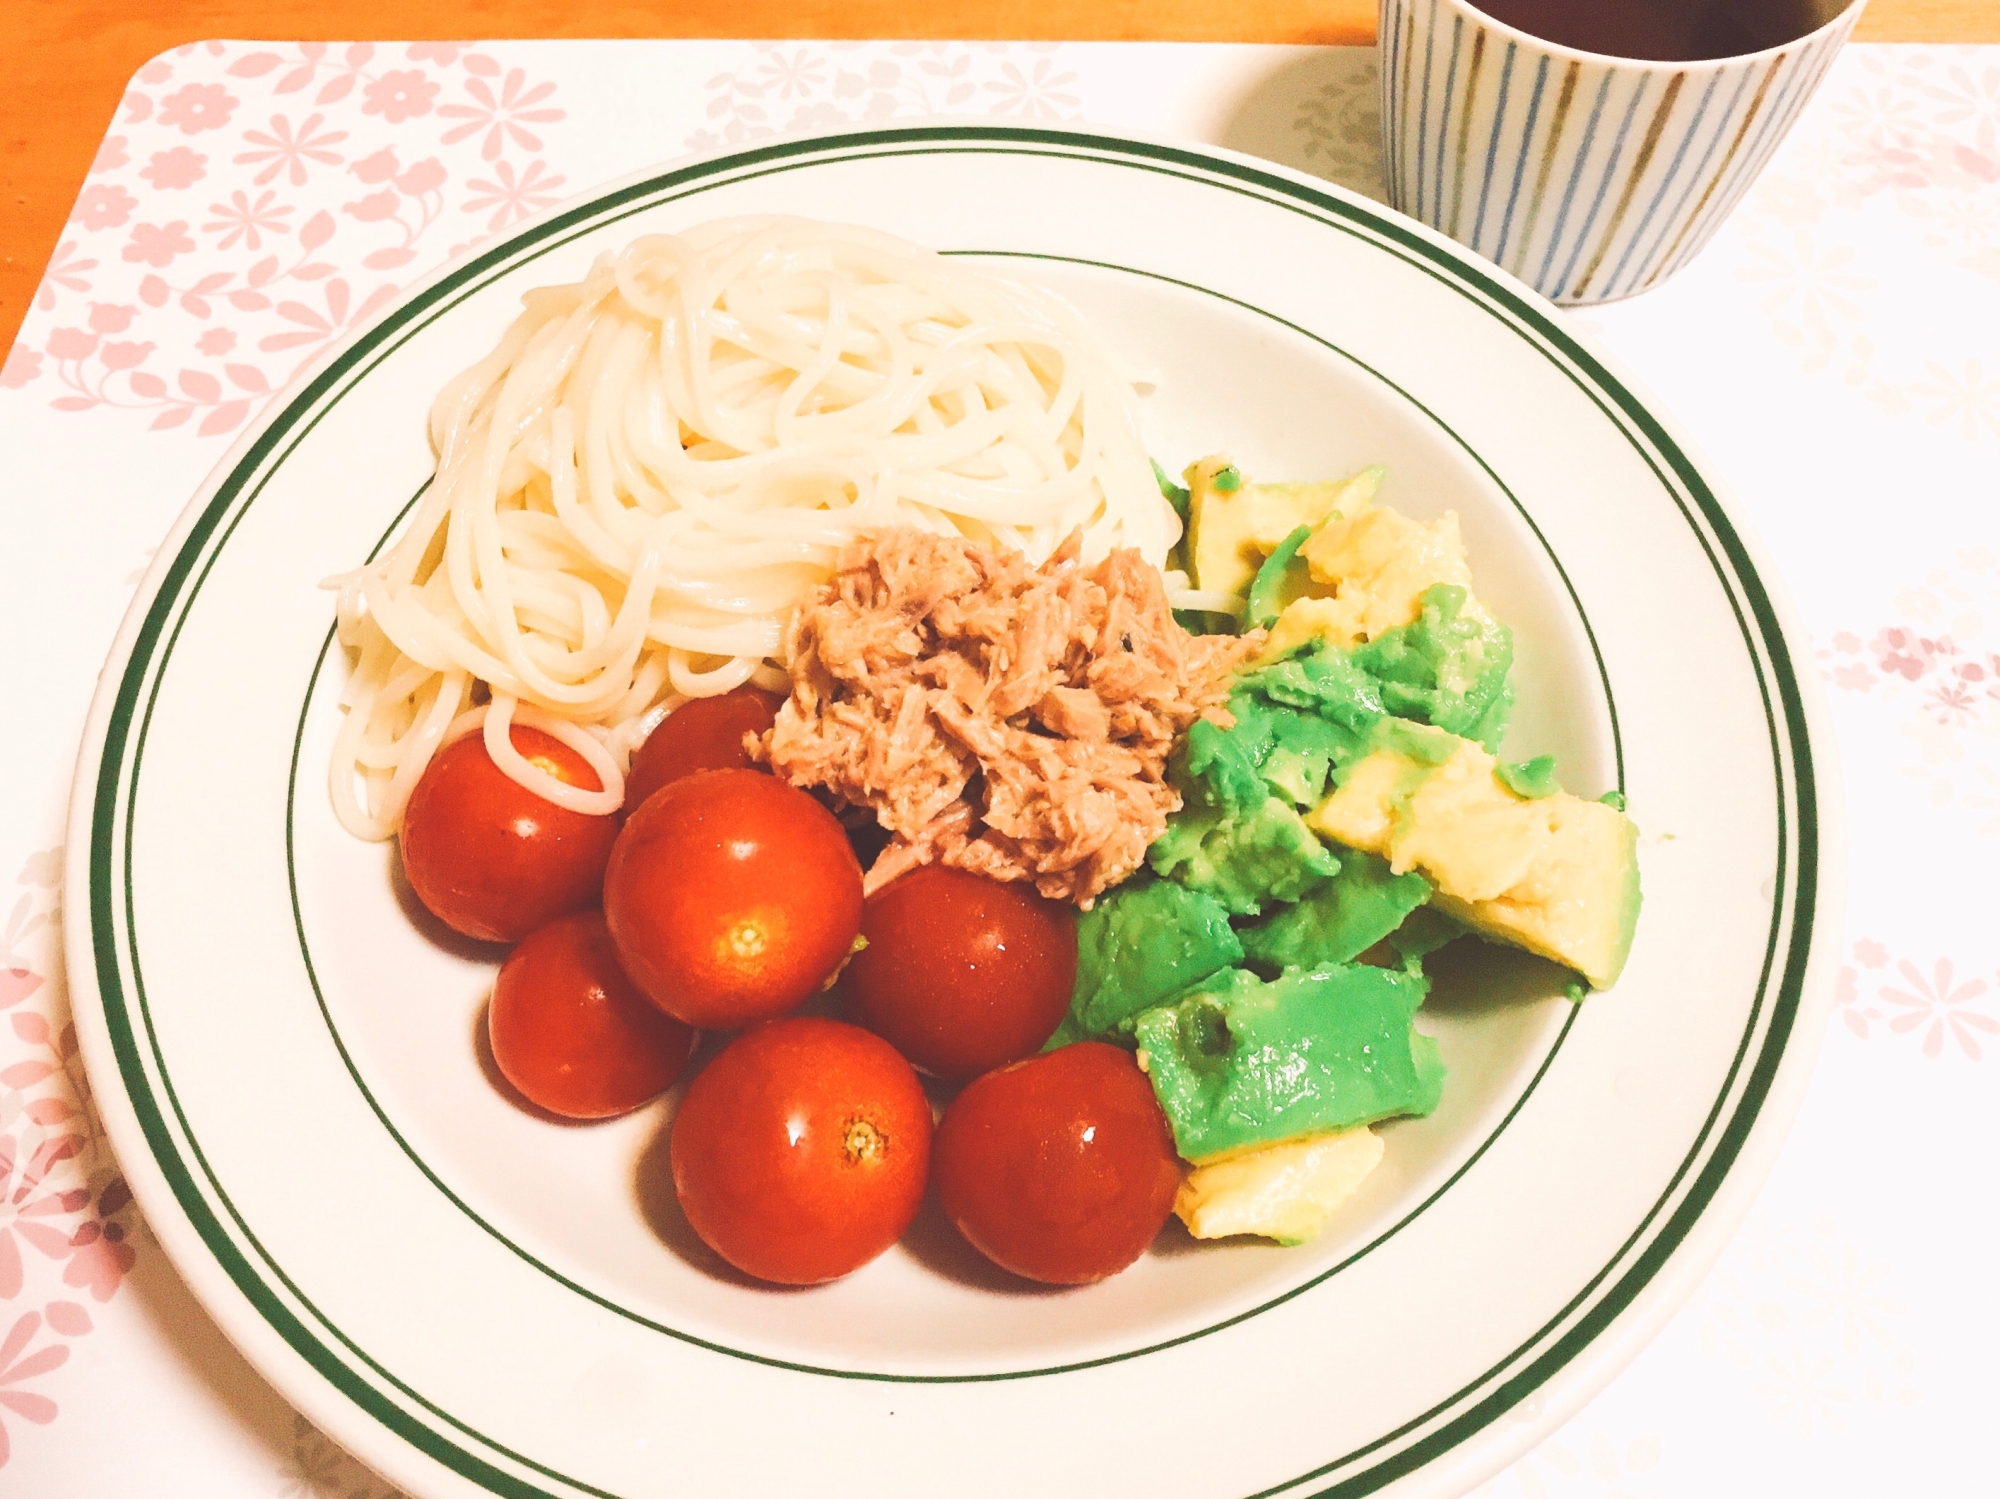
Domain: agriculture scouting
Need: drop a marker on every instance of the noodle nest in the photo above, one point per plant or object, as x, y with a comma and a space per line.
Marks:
635, 488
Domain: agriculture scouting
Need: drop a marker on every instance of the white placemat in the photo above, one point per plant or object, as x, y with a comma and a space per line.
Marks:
1836, 350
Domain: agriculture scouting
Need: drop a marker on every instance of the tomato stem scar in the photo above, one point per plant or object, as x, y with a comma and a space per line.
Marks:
861, 1141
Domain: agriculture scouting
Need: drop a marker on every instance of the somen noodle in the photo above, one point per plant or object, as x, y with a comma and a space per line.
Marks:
635, 487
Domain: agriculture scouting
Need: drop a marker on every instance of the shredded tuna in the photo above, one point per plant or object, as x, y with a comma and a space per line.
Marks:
1003, 718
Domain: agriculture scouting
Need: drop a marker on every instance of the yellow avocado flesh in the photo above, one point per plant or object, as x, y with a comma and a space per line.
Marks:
1284, 1192
1231, 532
1557, 875
1378, 563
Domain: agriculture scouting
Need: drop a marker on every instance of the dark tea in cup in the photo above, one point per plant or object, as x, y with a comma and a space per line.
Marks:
1665, 30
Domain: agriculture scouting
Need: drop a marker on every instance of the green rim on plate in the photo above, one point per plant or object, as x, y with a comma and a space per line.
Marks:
264, 1283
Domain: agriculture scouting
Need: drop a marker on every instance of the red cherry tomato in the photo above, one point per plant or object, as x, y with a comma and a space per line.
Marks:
571, 1032
1061, 1169
732, 898
800, 1153
961, 973
491, 859
705, 733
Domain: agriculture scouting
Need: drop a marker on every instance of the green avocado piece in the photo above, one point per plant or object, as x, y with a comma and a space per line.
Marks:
1339, 920
1423, 933
1448, 667
1141, 945
1242, 859
1240, 1063
1304, 747
1281, 579
1531, 780
1324, 680
1223, 767
1297, 721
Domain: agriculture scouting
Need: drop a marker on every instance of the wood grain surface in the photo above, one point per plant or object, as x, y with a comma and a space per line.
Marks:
71, 58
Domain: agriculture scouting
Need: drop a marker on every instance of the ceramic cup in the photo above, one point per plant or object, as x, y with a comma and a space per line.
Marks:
1589, 177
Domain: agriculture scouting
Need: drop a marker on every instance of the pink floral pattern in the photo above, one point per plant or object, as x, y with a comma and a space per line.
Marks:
66, 1221
1944, 1010
445, 144
1938, 670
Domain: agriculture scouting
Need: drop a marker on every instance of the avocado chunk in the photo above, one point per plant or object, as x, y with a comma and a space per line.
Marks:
1239, 1064
1284, 1192
1371, 569
1242, 860
1339, 920
1281, 579
1141, 945
1557, 875
1234, 526
1447, 667
1536, 778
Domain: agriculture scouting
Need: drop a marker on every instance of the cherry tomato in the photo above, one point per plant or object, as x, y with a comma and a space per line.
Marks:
705, 733
572, 1033
732, 897
1061, 1169
491, 859
800, 1153
961, 973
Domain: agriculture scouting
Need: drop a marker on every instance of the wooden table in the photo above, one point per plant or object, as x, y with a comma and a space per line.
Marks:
73, 57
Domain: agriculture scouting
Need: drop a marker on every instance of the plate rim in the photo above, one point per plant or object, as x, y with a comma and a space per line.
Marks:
1601, 1342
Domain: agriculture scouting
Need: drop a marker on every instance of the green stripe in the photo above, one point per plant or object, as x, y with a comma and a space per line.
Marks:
1314, 204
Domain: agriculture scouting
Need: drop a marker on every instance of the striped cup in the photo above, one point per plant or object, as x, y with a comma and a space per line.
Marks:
1589, 177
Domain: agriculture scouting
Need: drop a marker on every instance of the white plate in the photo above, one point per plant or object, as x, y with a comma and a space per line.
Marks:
474, 1300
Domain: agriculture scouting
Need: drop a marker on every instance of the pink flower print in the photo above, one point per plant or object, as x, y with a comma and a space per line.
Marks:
180, 167
1952, 703
17, 1366
28, 1203
1847, 1004
373, 208
399, 96
103, 206
159, 70
1902, 653
99, 1258
111, 317
157, 244
379, 167
110, 155
1870, 953
284, 150
316, 327
23, 364
66, 271
1985, 168
240, 219
425, 176
198, 107
124, 356
503, 117
216, 342
1939, 1008
71, 343
513, 198
1854, 675
820, 116
1847, 642
444, 54
1034, 96
790, 77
